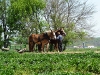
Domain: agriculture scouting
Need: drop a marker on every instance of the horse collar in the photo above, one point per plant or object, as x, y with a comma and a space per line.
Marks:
47, 36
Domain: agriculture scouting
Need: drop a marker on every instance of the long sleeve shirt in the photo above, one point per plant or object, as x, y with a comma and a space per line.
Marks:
59, 37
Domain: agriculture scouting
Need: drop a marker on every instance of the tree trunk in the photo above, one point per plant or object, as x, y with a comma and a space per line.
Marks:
4, 25
5, 35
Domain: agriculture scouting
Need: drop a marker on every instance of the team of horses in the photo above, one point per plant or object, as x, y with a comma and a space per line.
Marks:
43, 39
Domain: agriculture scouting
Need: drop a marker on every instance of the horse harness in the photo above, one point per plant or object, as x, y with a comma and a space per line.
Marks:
45, 36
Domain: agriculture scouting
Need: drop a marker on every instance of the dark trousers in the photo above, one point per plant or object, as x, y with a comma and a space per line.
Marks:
60, 45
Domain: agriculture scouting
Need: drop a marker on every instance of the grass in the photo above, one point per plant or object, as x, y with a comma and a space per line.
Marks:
13, 63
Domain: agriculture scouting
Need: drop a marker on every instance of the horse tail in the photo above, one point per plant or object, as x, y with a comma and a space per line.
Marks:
30, 42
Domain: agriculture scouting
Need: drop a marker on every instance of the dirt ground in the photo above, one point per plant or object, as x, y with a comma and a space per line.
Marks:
66, 52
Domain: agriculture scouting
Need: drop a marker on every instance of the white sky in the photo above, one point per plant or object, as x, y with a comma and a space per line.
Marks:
96, 16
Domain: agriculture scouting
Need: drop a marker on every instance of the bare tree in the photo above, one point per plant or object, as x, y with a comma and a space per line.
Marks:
55, 12
72, 14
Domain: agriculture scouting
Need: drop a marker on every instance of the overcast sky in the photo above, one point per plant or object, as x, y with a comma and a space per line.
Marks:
96, 16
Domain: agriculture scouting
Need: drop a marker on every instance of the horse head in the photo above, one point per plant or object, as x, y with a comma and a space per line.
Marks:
62, 32
51, 34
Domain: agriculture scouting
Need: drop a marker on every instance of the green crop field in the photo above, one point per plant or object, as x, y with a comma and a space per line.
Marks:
14, 63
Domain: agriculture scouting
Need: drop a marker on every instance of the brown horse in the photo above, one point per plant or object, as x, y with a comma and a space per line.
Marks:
54, 41
40, 39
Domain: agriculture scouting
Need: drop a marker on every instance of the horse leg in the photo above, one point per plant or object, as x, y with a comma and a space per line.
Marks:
56, 47
42, 47
47, 47
31, 46
39, 47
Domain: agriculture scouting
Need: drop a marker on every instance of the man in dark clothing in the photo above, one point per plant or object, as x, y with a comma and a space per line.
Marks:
59, 39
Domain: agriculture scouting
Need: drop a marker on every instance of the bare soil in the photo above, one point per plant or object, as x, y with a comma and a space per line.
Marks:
66, 52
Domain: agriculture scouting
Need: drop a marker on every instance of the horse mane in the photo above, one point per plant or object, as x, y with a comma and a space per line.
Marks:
48, 31
45, 35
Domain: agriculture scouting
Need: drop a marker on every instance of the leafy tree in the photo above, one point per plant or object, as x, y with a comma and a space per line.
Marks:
24, 17
23, 12
15, 15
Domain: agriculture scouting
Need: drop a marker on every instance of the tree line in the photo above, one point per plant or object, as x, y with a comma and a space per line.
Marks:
20, 18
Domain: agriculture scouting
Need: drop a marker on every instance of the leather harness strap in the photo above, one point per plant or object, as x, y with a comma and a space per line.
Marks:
45, 36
